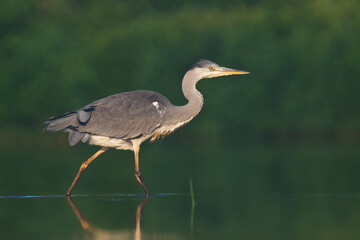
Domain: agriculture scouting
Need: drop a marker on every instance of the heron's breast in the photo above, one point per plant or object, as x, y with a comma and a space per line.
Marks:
165, 130
110, 142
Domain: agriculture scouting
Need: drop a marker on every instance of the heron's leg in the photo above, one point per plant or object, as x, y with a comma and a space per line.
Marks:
137, 169
83, 166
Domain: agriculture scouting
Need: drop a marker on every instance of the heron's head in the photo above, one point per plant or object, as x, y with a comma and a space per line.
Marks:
208, 69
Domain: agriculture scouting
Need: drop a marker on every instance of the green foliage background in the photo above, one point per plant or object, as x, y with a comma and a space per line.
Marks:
290, 128
57, 56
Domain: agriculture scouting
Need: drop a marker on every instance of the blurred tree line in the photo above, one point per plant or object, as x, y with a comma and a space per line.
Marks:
57, 56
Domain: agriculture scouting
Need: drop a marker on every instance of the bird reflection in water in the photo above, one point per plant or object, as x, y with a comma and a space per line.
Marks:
103, 234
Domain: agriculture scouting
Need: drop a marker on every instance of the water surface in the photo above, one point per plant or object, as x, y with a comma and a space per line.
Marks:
255, 192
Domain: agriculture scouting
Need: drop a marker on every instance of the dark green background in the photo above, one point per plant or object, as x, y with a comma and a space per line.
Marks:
303, 56
272, 154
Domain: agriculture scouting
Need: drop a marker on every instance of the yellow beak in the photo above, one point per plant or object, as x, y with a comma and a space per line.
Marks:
230, 71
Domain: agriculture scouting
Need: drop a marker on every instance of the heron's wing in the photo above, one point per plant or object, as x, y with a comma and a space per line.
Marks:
126, 115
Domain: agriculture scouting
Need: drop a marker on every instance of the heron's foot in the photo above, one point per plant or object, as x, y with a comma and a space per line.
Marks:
141, 181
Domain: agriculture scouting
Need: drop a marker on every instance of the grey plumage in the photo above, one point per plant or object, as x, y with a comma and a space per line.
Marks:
125, 120
83, 115
125, 116
59, 122
75, 137
204, 63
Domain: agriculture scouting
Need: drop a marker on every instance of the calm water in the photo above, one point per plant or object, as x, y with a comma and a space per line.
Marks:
169, 216
256, 192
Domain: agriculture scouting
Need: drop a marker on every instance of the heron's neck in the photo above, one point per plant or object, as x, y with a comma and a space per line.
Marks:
196, 101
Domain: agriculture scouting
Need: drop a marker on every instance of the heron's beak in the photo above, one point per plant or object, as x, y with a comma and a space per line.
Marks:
229, 71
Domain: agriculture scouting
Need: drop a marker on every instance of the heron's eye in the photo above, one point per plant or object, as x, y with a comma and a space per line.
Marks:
211, 68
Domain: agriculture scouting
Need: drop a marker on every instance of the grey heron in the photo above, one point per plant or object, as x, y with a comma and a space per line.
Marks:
125, 120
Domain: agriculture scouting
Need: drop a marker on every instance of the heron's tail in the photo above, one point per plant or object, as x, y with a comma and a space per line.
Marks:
59, 122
